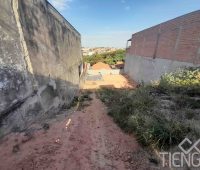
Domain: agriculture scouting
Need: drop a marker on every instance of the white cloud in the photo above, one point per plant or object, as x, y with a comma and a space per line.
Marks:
60, 4
127, 8
107, 39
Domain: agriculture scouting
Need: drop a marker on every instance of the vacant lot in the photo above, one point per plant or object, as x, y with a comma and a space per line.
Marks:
111, 81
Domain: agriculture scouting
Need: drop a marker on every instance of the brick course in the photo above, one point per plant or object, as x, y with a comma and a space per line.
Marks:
177, 39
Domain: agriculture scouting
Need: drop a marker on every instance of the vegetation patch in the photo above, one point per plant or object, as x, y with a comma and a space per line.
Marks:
160, 115
183, 81
110, 58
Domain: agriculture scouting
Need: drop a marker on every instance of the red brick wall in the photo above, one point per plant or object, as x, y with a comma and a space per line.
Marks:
177, 39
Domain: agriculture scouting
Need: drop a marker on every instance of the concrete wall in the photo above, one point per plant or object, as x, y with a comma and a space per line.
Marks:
40, 55
164, 47
145, 69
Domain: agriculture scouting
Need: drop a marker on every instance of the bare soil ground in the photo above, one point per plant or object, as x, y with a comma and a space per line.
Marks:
115, 81
85, 140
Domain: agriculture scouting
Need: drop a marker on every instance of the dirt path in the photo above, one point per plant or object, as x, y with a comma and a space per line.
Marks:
86, 140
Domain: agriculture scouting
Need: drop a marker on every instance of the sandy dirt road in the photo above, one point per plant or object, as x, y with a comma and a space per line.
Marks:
115, 81
85, 140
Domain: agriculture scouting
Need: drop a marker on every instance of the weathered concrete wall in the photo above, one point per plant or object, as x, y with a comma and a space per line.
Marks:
145, 69
14, 80
164, 47
40, 58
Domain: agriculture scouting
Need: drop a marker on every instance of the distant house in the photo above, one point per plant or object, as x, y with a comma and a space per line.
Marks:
100, 66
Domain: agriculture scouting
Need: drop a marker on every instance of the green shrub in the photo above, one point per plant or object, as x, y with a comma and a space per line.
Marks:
187, 79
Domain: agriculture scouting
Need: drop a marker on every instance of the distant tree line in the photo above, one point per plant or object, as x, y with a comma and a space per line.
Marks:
110, 58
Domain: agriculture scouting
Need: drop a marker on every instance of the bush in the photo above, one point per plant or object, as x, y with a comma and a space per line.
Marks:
185, 80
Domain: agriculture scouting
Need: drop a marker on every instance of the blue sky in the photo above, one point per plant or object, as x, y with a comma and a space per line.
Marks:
109, 23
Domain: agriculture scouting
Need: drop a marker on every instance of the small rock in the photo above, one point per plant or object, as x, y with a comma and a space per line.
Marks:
27, 137
15, 148
46, 126
154, 161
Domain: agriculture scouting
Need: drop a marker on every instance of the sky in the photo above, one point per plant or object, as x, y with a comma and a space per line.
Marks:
110, 23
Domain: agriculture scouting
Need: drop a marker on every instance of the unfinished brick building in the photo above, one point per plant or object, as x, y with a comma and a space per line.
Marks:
164, 48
